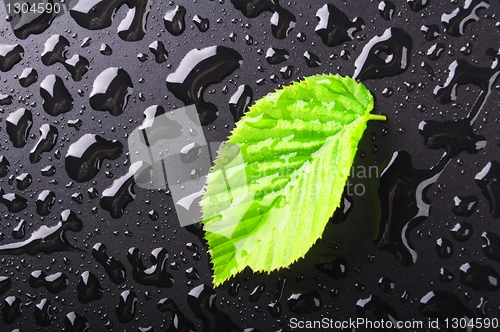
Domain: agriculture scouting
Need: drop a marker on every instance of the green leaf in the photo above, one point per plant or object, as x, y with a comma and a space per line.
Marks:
280, 176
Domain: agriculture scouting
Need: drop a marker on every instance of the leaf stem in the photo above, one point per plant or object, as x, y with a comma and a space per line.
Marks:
378, 117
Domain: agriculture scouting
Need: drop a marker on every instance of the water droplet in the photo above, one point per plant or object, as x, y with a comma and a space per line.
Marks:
431, 31
5, 284
142, 57
46, 142
75, 124
445, 275
19, 231
286, 72
96, 15
282, 22
439, 304
385, 284
202, 300
387, 92
249, 40
427, 67
174, 20
55, 51
89, 289
42, 313
18, 126
5, 99
304, 301
386, 9
115, 198
198, 70
113, 267
312, 59
105, 49
179, 321
345, 54
481, 308
488, 180
346, 206
12, 308
462, 231
444, 248
467, 49
56, 97
374, 308
111, 91
334, 27
44, 202
256, 293
333, 265
46, 239
84, 157
455, 22
417, 5
481, 278
28, 77
86, 42
403, 206
54, 283
385, 55
157, 274
12, 201
454, 136
301, 37
435, 51
74, 322
10, 55
240, 101
203, 24
23, 181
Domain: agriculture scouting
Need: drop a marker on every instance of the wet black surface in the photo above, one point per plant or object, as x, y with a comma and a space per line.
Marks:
82, 246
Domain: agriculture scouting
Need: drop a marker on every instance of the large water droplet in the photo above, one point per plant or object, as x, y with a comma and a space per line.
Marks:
12, 308
85, 156
240, 101
18, 126
489, 182
89, 289
113, 267
201, 300
479, 277
42, 314
111, 91
44, 202
455, 22
54, 283
334, 27
28, 77
385, 55
492, 246
174, 20
47, 239
404, 204
198, 70
98, 14
46, 142
9, 56
304, 301
156, 274
56, 97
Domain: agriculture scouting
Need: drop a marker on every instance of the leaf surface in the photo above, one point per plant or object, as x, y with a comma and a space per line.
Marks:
281, 174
